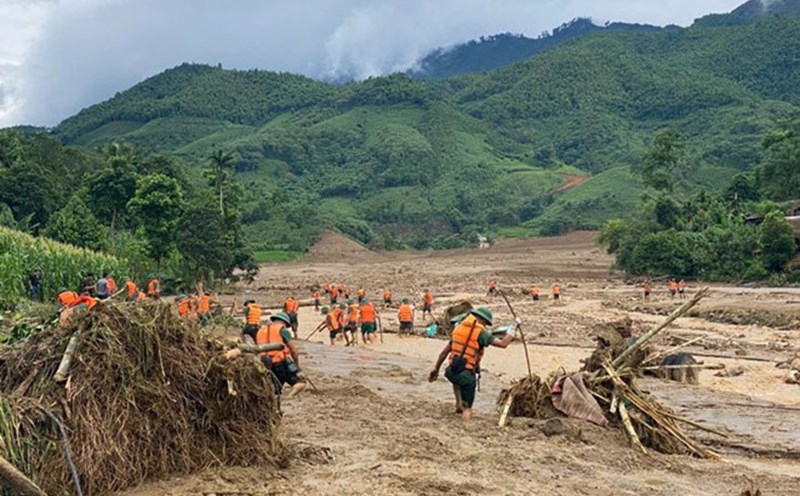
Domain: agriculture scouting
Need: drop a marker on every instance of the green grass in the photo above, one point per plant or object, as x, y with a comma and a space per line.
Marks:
275, 256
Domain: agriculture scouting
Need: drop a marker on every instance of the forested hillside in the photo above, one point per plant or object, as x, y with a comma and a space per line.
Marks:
395, 161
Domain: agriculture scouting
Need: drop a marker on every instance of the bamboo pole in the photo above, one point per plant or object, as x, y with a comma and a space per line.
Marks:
521, 334
63, 368
620, 360
626, 421
12, 478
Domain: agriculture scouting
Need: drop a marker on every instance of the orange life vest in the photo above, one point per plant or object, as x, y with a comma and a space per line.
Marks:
204, 305
492, 285
341, 287
67, 297
253, 314
360, 292
556, 290
183, 307
152, 287
681, 285
534, 291
112, 285
367, 313
387, 295
334, 292
291, 305
405, 314
332, 320
647, 287
673, 285
141, 296
131, 287
272, 334
464, 341
84, 300
353, 313
316, 295
428, 297
326, 287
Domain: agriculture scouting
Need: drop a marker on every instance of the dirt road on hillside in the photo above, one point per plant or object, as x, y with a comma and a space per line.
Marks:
376, 426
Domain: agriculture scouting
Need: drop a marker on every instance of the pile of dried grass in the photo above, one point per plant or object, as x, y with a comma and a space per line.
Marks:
146, 397
531, 398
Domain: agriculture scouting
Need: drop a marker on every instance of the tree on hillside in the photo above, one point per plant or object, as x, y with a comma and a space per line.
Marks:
110, 189
778, 176
663, 164
75, 224
156, 207
219, 172
777, 241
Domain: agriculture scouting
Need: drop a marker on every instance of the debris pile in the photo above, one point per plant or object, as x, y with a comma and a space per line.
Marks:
140, 394
605, 392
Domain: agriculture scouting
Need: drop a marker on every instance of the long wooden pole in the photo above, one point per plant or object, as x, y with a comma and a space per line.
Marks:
63, 368
12, 478
620, 360
521, 334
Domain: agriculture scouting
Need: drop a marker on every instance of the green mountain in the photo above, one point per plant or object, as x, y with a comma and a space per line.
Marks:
492, 52
428, 163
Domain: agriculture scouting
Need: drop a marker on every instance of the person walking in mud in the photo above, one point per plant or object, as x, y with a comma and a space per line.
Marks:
427, 304
387, 298
368, 321
284, 363
673, 288
535, 294
682, 289
464, 352
252, 318
492, 288
556, 293
647, 289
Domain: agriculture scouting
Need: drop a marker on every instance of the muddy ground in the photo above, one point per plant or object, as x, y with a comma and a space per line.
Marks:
376, 426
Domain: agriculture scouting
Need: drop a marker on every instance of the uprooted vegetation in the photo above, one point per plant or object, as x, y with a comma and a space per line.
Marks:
146, 396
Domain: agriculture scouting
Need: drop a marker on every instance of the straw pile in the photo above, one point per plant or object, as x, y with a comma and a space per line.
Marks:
146, 397
610, 378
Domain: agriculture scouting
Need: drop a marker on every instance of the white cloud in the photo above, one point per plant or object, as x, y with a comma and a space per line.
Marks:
59, 56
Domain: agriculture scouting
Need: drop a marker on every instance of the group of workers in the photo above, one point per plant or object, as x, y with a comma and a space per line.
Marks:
676, 288
96, 290
534, 292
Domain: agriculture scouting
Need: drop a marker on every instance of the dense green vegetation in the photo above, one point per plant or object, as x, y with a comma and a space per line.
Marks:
710, 235
396, 161
141, 209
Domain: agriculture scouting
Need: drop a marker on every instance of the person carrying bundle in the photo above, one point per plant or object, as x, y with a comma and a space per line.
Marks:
464, 352
283, 363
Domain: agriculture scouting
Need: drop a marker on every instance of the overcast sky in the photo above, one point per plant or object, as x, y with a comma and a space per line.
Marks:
58, 56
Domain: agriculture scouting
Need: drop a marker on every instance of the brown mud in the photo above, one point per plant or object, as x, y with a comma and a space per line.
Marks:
376, 426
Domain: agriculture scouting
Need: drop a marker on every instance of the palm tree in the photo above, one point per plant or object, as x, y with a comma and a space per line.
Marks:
221, 163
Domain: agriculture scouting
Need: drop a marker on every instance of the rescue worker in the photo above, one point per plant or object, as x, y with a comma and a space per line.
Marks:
387, 298
492, 288
334, 295
65, 297
405, 316
130, 289
290, 308
317, 298
284, 363
252, 318
360, 295
153, 287
204, 308
556, 292
331, 323
88, 284
351, 329
102, 287
368, 315
673, 288
465, 349
183, 306
112, 284
647, 290
427, 303
535, 294
682, 289
140, 296
344, 318
327, 288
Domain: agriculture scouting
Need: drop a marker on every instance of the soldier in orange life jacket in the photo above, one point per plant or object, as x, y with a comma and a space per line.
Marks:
351, 327
387, 298
317, 298
367, 318
331, 323
252, 318
154, 287
283, 363
290, 308
492, 288
427, 303
405, 316
204, 308
465, 349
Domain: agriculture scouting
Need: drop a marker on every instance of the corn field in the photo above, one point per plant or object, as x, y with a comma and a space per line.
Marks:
61, 265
